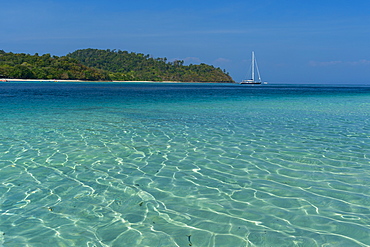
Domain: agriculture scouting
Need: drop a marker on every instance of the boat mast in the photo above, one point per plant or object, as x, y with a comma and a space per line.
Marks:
252, 65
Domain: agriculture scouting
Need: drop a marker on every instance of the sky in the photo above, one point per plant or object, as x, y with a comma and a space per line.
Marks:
295, 41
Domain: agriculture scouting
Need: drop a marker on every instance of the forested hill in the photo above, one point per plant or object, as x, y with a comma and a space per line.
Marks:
25, 66
130, 66
105, 65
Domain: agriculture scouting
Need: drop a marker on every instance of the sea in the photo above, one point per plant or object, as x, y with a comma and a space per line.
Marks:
184, 164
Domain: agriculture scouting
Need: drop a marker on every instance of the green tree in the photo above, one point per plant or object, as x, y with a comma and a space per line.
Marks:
137, 66
21, 72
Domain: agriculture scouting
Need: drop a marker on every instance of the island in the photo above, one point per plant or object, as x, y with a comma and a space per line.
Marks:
105, 65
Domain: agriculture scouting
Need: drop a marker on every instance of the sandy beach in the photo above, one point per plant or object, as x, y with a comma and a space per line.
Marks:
37, 80
56, 80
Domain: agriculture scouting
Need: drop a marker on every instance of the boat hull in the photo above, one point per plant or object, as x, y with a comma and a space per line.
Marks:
250, 82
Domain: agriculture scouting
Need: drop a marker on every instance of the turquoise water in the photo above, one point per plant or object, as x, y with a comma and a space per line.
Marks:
140, 164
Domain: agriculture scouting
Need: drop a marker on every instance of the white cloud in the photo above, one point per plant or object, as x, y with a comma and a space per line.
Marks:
192, 60
321, 64
360, 62
331, 63
222, 60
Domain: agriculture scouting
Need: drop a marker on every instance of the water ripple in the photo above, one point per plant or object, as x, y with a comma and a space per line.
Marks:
204, 174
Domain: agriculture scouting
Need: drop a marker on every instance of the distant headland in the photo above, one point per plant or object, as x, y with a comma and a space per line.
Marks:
105, 65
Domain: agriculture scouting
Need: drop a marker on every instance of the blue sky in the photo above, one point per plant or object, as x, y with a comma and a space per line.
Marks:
295, 41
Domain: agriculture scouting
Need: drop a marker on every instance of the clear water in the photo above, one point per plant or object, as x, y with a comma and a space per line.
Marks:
138, 164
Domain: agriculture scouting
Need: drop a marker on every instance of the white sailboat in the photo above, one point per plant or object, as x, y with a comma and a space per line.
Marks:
254, 69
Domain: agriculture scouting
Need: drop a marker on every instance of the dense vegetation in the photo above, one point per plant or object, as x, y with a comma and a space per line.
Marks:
25, 66
94, 64
123, 65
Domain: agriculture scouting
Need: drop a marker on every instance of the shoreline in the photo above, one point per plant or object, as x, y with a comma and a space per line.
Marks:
61, 80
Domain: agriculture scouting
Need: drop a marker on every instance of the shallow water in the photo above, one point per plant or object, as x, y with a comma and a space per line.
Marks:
146, 164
